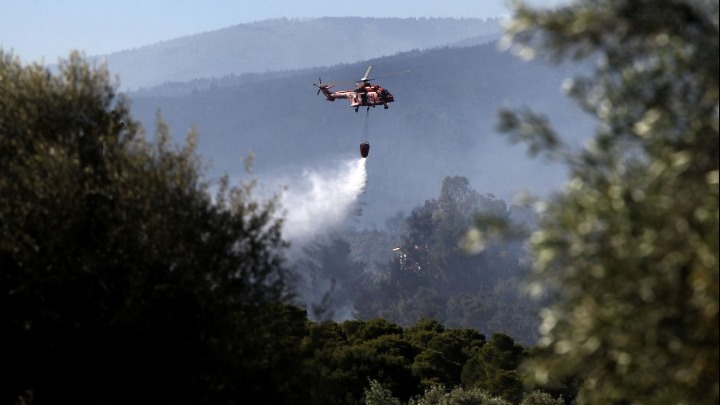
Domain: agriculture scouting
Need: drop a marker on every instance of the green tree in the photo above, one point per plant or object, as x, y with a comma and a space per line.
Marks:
443, 352
376, 394
493, 368
438, 395
343, 358
629, 249
121, 278
361, 331
541, 398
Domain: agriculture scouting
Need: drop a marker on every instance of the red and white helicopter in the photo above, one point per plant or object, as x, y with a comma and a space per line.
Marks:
364, 94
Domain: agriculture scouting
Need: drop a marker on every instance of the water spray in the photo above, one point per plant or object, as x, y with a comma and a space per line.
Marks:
321, 201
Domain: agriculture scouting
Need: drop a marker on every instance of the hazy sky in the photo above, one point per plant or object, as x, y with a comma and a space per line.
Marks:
50, 29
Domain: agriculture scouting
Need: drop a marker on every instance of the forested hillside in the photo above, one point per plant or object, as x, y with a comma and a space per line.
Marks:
288, 44
444, 122
436, 147
417, 268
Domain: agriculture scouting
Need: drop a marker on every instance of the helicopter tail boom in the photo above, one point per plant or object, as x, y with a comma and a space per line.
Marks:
325, 89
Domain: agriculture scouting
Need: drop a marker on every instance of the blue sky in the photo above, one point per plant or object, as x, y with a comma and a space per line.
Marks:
50, 29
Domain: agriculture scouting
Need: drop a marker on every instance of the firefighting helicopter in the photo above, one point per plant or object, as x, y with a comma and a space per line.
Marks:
364, 94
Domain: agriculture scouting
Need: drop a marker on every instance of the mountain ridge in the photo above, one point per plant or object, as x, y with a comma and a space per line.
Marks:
285, 44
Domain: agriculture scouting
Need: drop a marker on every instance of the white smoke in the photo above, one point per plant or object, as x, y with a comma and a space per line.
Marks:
319, 201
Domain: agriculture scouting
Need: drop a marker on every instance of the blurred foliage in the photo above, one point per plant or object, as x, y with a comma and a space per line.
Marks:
629, 250
121, 277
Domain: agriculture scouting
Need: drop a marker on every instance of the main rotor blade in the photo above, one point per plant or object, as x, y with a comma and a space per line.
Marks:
364, 79
367, 73
391, 74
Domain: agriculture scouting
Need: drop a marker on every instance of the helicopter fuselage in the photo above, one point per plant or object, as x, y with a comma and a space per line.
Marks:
367, 95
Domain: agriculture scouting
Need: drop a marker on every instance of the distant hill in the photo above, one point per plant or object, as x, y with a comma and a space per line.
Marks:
443, 123
288, 44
